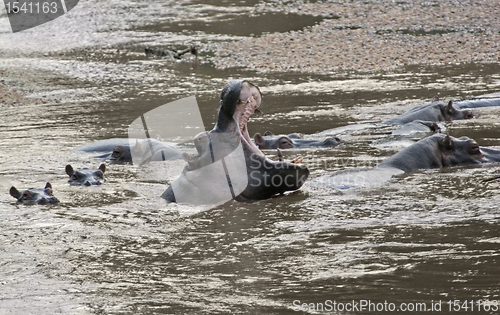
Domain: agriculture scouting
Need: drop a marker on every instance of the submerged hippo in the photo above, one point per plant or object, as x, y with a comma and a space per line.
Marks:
85, 176
435, 151
441, 150
228, 164
433, 112
293, 141
132, 150
488, 100
34, 196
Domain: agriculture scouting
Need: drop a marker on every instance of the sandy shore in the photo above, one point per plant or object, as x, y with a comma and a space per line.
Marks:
372, 36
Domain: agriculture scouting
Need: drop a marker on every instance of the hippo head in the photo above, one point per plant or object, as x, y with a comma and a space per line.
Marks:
34, 196
451, 112
85, 177
441, 150
463, 151
270, 142
239, 100
121, 153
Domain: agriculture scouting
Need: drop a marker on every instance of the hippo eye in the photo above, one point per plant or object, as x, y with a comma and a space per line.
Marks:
74, 177
99, 174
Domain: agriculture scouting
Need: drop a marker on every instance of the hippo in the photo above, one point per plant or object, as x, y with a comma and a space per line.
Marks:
435, 111
438, 150
487, 100
441, 150
132, 150
270, 141
229, 165
35, 196
85, 176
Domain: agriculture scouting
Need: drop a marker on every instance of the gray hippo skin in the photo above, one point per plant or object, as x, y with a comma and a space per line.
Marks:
433, 112
85, 176
488, 100
121, 150
441, 150
34, 196
270, 141
239, 100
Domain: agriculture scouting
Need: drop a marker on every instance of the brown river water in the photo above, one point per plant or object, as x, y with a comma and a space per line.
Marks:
430, 236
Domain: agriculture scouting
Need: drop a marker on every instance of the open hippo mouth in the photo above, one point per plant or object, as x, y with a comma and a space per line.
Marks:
247, 112
248, 104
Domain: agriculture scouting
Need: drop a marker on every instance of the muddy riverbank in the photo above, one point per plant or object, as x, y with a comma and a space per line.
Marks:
371, 36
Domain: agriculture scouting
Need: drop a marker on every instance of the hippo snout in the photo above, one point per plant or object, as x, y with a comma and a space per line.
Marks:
331, 142
468, 114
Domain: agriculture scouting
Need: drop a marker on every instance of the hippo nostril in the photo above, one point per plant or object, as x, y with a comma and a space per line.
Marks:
87, 183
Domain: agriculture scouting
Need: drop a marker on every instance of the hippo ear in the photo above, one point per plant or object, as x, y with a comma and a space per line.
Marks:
69, 170
449, 107
14, 192
48, 189
447, 142
186, 157
258, 138
268, 133
139, 147
102, 167
280, 155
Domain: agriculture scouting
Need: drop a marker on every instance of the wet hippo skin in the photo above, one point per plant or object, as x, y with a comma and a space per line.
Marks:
85, 176
292, 141
441, 150
239, 100
123, 149
35, 196
433, 112
487, 100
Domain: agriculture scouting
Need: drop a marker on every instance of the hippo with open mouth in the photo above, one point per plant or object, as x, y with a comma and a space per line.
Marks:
441, 150
229, 165
85, 176
35, 196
